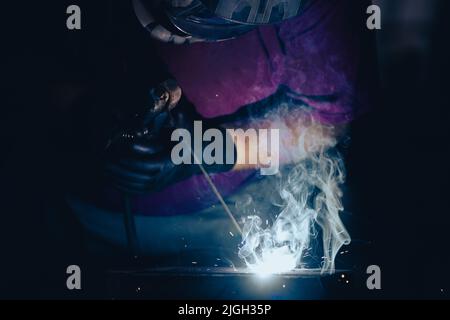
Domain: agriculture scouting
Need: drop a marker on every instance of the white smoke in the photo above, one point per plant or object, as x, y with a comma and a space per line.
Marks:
310, 193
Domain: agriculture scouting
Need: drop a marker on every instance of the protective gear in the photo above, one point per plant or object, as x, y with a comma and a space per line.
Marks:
188, 21
255, 11
142, 163
163, 99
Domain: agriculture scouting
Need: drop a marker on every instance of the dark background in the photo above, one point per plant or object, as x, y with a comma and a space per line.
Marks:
398, 158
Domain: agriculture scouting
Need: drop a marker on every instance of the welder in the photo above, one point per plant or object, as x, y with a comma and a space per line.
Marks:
291, 65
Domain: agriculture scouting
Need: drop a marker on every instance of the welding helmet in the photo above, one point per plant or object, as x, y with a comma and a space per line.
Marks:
181, 21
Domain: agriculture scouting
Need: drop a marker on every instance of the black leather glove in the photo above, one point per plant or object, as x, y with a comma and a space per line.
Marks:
144, 165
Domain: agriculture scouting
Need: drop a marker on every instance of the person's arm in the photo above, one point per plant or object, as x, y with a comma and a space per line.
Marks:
298, 135
328, 66
320, 65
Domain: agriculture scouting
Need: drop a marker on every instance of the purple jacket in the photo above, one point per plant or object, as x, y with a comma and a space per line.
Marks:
317, 55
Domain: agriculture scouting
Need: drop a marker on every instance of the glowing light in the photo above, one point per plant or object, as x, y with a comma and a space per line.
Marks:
274, 261
311, 200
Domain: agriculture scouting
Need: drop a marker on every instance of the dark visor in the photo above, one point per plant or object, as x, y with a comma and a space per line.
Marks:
198, 21
216, 20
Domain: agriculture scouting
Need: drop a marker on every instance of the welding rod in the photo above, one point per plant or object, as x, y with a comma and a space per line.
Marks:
218, 195
130, 226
